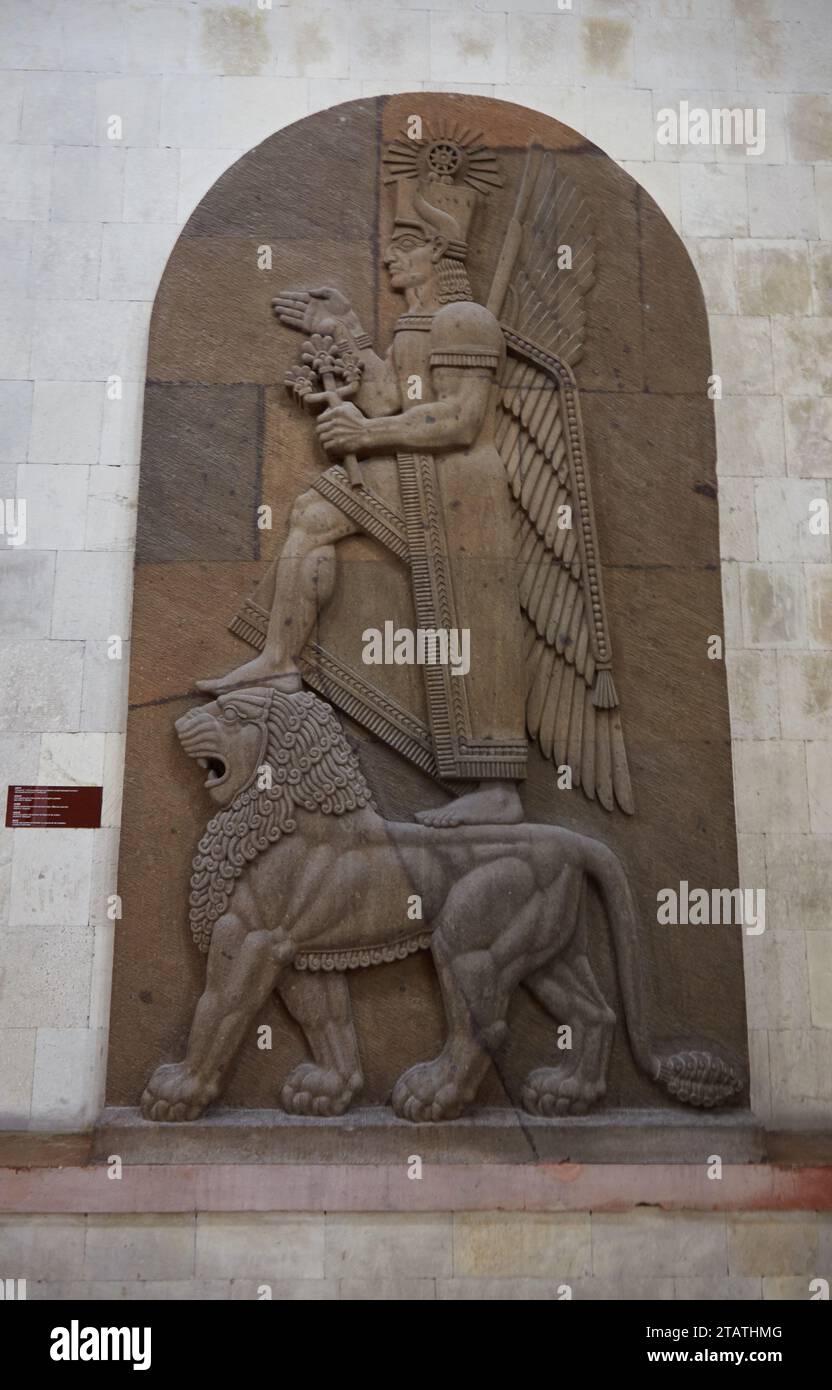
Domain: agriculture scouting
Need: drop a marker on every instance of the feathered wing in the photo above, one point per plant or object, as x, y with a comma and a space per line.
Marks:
555, 267
571, 705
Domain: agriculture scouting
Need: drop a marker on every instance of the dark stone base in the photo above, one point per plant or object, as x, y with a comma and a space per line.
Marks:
374, 1135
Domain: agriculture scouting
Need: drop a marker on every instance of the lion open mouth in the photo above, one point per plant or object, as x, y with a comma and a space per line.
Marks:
216, 768
197, 736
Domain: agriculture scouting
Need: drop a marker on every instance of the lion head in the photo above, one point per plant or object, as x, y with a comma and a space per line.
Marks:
267, 755
229, 739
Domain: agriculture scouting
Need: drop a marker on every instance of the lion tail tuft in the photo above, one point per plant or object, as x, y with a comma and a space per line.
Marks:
698, 1077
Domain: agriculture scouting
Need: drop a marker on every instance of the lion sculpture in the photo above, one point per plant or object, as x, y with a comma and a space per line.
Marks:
297, 837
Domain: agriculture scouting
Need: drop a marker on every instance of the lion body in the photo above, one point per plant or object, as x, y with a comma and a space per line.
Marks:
346, 885
299, 880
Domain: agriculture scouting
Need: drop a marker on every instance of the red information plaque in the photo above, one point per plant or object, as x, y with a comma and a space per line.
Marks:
66, 807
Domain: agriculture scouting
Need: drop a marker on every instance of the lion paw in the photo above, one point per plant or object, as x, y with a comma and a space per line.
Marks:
551, 1091
174, 1093
428, 1091
314, 1090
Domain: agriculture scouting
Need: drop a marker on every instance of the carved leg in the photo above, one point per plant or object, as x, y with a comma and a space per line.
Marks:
303, 586
441, 1089
479, 950
321, 1005
568, 991
242, 970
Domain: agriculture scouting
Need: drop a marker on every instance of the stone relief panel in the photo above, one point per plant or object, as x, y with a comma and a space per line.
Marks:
426, 580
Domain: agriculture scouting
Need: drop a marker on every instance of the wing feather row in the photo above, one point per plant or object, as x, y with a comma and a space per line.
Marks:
571, 726
571, 706
556, 266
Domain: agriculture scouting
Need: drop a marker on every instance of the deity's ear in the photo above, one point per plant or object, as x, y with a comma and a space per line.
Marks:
438, 247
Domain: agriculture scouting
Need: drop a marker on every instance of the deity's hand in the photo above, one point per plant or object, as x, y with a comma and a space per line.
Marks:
342, 429
311, 311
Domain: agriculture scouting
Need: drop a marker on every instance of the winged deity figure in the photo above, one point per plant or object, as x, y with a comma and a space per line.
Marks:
478, 481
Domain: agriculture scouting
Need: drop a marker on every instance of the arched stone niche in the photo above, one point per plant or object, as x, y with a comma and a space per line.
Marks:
221, 438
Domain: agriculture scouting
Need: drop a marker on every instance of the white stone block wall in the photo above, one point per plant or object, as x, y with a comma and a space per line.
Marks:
641, 1255
86, 224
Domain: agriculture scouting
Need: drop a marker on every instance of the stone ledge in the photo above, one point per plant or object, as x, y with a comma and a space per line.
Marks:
258, 1161
328, 1187
247, 1132
373, 1135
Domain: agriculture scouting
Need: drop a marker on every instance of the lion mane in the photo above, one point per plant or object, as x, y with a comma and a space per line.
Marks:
312, 767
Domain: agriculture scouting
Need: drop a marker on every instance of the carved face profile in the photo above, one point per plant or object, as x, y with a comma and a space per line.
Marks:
410, 258
420, 239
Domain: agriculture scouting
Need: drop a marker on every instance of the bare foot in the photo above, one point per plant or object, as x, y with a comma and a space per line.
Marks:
260, 671
493, 803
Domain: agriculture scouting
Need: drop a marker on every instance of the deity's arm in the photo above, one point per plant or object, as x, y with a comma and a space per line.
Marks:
466, 355
379, 392
453, 419
466, 352
329, 312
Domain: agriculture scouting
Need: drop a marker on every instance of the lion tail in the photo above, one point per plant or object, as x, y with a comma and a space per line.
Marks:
695, 1074
698, 1077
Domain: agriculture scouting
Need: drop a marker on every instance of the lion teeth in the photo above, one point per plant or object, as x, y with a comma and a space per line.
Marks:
203, 762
